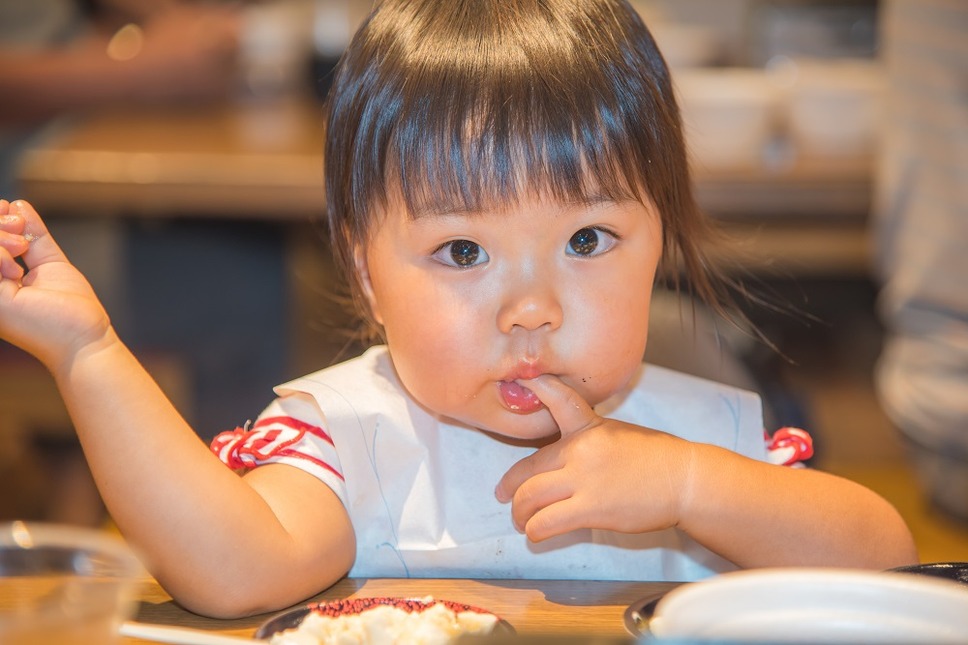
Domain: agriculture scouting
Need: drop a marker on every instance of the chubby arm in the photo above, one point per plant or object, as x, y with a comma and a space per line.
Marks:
759, 515
221, 544
612, 475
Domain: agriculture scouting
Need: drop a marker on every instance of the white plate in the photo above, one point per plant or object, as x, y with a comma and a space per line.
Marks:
801, 605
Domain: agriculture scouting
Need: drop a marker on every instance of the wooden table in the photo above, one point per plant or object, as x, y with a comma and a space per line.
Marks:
532, 607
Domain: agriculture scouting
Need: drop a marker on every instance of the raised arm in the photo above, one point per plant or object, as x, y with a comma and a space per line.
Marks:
221, 544
751, 513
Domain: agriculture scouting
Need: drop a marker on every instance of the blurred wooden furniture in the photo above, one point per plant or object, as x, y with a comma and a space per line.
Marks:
41, 462
240, 160
532, 607
803, 218
264, 160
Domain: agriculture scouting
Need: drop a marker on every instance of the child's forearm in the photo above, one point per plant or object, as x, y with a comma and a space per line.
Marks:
756, 514
210, 537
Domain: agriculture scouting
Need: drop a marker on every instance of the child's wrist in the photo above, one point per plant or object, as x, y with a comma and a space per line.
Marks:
81, 351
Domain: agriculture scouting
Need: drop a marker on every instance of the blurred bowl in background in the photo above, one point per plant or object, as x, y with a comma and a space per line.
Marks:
729, 114
685, 45
65, 585
275, 45
834, 107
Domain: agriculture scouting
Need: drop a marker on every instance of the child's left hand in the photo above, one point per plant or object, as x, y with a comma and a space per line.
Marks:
51, 310
602, 473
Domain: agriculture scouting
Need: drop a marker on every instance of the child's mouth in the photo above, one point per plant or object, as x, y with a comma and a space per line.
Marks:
518, 398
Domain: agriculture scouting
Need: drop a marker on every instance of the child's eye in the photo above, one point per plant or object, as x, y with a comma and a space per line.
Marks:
461, 253
590, 241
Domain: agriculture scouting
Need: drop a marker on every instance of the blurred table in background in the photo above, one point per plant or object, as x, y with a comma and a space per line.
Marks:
803, 219
263, 160
251, 160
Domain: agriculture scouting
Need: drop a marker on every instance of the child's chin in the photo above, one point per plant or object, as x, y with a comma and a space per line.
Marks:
536, 428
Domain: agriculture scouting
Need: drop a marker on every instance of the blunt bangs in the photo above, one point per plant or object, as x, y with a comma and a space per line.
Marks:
470, 105
463, 106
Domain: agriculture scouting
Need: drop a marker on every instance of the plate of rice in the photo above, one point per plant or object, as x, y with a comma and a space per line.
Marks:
380, 620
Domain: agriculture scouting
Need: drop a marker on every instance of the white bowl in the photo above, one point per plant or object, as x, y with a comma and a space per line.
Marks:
835, 107
801, 605
729, 115
685, 45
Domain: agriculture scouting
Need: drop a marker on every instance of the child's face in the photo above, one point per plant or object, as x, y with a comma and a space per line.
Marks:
471, 302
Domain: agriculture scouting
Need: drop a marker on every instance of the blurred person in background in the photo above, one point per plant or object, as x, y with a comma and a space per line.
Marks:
921, 237
65, 56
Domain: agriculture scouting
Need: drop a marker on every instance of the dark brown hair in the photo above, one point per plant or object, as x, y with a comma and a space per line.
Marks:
470, 104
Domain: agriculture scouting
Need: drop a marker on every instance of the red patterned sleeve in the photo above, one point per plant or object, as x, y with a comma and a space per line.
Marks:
291, 431
789, 447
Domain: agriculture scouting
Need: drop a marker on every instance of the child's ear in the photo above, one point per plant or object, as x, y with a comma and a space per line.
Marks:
363, 275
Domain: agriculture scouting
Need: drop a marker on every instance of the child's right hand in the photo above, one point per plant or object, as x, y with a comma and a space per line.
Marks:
583, 479
50, 310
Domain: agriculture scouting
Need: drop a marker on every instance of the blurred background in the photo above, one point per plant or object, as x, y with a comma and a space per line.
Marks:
175, 149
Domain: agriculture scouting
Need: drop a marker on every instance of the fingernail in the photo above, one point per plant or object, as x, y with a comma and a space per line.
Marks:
9, 219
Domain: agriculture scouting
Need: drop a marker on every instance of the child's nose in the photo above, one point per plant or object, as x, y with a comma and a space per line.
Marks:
530, 305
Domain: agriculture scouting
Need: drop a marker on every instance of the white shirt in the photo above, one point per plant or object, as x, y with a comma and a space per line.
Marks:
420, 491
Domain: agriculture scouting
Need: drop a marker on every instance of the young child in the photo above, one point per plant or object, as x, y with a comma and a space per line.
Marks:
503, 180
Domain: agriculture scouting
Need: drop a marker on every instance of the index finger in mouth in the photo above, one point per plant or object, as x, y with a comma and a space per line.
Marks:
570, 411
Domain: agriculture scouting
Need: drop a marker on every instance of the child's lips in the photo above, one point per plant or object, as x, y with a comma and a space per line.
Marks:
518, 398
